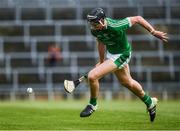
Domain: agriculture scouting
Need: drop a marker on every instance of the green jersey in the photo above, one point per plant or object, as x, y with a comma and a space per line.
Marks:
114, 36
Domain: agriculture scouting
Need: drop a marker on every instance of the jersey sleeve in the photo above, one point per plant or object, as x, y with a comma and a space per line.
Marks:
93, 33
122, 24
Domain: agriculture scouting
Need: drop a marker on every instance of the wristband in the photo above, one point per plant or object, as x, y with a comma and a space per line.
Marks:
152, 32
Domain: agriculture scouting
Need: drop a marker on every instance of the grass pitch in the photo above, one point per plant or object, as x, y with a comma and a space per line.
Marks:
64, 115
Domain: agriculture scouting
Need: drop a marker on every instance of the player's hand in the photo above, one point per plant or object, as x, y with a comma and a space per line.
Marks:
161, 35
98, 64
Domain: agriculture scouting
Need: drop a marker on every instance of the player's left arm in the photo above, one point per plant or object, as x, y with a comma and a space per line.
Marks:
140, 20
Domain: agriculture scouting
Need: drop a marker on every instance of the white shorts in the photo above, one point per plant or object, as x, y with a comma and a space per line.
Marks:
119, 59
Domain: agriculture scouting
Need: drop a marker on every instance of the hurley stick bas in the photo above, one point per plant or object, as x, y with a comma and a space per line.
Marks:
70, 85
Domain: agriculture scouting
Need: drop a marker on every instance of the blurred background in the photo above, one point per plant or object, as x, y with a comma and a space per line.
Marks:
43, 42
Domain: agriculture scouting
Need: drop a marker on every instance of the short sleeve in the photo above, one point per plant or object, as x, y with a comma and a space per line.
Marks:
93, 33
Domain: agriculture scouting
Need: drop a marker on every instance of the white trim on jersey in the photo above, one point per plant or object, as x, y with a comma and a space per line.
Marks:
129, 20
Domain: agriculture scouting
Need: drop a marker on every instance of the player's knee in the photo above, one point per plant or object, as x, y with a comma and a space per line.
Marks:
92, 77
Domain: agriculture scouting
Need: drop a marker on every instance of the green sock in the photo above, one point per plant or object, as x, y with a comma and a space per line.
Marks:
93, 101
147, 100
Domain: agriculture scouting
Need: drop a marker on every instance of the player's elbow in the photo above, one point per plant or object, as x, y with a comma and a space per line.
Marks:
136, 19
139, 18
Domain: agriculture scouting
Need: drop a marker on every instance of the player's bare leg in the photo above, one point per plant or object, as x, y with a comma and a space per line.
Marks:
93, 76
97, 73
124, 77
126, 80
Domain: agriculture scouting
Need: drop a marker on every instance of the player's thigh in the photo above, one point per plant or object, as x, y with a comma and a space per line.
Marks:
123, 74
99, 71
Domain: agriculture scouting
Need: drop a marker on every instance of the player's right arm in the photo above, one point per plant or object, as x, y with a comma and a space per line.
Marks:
140, 20
101, 50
